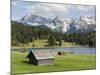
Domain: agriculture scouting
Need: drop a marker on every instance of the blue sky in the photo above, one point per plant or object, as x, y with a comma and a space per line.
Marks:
49, 10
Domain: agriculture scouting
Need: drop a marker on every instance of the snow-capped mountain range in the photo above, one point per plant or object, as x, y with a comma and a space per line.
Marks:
61, 24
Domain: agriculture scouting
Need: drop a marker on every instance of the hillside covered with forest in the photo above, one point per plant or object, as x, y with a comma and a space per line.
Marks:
22, 33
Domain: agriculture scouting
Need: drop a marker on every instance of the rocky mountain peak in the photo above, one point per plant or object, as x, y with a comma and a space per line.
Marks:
61, 24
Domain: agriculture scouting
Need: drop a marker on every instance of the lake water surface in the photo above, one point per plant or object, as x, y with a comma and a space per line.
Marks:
76, 50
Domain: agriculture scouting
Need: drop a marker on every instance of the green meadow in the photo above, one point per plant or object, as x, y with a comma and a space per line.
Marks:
43, 44
67, 62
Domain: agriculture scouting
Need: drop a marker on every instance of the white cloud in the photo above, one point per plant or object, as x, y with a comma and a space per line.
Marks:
49, 9
55, 7
85, 8
82, 8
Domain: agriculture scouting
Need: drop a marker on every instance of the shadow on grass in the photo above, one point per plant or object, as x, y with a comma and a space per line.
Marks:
25, 62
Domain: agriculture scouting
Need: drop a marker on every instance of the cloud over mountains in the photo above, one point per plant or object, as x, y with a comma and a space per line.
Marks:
50, 10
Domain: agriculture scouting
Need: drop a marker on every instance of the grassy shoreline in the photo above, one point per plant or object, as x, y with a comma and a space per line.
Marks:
43, 44
67, 62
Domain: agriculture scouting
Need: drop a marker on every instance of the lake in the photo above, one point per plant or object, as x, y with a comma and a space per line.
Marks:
76, 50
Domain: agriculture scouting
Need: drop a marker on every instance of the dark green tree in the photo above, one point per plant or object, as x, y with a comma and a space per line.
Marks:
51, 40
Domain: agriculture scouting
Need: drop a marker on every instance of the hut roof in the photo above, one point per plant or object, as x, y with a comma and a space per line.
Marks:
43, 54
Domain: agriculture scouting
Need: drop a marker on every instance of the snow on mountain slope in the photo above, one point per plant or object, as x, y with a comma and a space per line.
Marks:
61, 24
34, 20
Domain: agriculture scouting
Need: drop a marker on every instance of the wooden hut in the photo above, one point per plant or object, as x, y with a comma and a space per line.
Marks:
41, 57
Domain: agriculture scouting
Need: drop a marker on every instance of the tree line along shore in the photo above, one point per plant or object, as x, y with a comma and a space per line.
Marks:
25, 35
